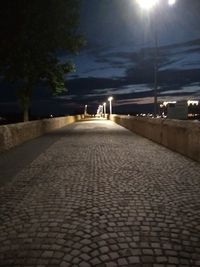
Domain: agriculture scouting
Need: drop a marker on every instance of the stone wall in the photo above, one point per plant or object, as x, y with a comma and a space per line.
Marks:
180, 136
15, 134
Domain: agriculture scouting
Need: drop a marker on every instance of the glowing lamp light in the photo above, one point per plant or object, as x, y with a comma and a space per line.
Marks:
193, 102
171, 2
147, 4
165, 103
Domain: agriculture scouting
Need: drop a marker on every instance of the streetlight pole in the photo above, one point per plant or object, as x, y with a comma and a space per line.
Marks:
104, 105
156, 68
150, 4
85, 112
110, 100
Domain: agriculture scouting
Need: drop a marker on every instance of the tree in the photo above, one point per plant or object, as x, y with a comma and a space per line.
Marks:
33, 33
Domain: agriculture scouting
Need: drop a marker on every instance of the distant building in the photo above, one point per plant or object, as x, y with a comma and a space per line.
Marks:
181, 110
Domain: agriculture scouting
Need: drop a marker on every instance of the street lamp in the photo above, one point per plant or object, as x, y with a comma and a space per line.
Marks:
110, 100
148, 5
85, 112
104, 105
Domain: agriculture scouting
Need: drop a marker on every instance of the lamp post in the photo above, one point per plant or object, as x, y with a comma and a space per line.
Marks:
148, 5
104, 105
110, 100
85, 112
156, 69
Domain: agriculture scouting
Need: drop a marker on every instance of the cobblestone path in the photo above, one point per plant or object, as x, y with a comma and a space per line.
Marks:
102, 196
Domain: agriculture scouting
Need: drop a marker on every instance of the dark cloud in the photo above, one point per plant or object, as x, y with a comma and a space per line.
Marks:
139, 70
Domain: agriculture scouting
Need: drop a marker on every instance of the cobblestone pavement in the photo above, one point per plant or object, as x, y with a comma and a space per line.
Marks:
102, 196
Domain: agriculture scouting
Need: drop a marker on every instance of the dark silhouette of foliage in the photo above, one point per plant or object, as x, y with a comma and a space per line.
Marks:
33, 32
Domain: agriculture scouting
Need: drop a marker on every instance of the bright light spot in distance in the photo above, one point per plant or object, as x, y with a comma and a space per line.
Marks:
193, 102
110, 98
171, 2
165, 103
147, 4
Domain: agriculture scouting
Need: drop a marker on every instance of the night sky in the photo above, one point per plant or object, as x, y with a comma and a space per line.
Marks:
118, 59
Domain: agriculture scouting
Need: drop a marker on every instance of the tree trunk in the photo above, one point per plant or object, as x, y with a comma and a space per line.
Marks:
25, 114
24, 96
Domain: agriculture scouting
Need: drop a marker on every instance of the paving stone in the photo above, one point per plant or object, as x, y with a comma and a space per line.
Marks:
122, 262
114, 247
136, 252
111, 264
104, 258
148, 259
134, 259
64, 264
95, 261
104, 250
161, 259
84, 264
68, 257
123, 245
86, 249
158, 252
147, 252
76, 260
58, 255
102, 196
114, 255
47, 254
173, 260
85, 257
75, 252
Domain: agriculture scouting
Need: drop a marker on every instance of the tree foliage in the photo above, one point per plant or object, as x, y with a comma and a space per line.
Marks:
33, 32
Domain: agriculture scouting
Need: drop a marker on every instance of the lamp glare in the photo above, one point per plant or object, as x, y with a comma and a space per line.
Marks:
147, 4
171, 2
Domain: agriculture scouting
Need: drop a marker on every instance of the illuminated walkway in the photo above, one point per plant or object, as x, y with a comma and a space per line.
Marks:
95, 194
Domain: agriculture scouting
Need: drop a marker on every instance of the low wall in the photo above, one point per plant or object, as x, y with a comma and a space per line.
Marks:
15, 134
177, 135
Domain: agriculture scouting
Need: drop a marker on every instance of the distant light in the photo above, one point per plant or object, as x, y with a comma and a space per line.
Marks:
147, 4
193, 102
110, 98
168, 102
171, 2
